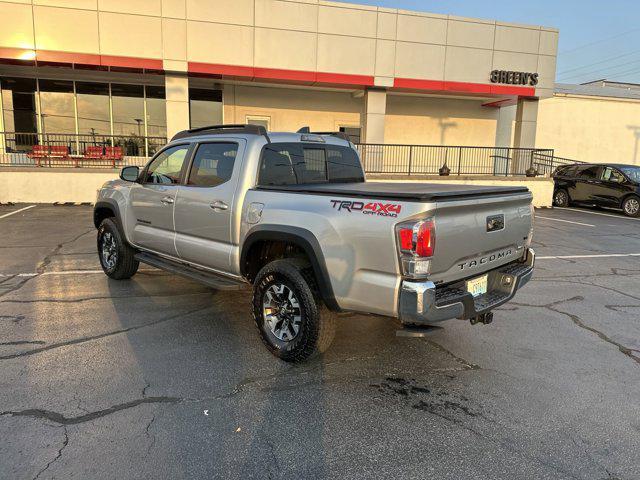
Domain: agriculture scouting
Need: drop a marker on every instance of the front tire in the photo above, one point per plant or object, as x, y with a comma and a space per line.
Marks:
289, 316
561, 198
117, 257
631, 206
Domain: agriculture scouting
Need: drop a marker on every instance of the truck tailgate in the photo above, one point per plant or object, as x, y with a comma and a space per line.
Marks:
477, 235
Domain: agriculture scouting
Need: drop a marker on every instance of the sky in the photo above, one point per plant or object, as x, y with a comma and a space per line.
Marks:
598, 39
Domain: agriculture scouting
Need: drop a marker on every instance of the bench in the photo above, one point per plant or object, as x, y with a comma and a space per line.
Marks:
45, 152
113, 154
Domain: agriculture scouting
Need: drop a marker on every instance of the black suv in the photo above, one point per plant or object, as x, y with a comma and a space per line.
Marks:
603, 185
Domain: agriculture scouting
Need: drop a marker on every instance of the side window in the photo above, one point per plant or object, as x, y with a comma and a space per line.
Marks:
343, 165
212, 164
166, 167
589, 173
612, 175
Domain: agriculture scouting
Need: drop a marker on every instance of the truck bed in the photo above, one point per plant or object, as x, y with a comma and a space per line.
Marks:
422, 192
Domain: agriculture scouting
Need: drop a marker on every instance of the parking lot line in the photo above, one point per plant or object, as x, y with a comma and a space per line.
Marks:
564, 221
604, 255
16, 211
620, 217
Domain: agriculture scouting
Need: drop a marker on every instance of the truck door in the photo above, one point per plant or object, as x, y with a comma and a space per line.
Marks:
152, 200
204, 210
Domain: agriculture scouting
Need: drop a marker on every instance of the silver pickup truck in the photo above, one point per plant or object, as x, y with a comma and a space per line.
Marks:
292, 215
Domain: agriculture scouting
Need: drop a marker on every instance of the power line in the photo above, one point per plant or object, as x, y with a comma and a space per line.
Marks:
600, 41
605, 70
600, 62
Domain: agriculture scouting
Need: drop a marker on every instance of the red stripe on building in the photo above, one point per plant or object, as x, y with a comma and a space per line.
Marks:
130, 62
66, 57
345, 79
220, 70
285, 75
462, 87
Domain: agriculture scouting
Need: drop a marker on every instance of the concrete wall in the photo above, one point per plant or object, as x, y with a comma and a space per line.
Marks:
591, 129
50, 185
439, 121
290, 109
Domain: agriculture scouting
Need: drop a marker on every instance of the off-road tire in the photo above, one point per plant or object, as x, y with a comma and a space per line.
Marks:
561, 198
626, 206
317, 327
125, 265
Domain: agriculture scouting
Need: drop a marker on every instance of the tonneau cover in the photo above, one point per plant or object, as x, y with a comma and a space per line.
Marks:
398, 190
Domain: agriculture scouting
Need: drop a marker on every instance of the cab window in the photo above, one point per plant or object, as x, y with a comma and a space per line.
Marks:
167, 166
612, 175
212, 164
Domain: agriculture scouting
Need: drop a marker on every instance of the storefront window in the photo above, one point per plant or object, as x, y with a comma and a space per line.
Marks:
93, 108
56, 106
205, 107
156, 112
19, 112
132, 112
19, 104
128, 109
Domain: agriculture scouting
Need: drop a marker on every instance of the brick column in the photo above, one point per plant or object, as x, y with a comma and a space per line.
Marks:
177, 103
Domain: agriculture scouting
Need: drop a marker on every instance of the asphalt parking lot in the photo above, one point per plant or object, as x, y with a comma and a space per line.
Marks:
158, 377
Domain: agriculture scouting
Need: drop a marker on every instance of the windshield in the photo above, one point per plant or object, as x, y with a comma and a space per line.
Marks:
632, 172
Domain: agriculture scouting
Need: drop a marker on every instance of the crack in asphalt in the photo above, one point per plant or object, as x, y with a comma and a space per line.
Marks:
611, 289
105, 297
60, 419
629, 352
456, 358
13, 318
23, 342
618, 308
77, 341
59, 454
42, 266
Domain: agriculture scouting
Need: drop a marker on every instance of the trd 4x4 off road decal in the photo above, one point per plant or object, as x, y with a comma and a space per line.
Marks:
371, 208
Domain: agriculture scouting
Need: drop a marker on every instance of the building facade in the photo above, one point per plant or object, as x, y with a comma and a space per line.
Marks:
596, 122
149, 68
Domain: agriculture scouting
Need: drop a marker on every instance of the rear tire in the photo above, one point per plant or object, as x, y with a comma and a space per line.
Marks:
117, 257
288, 313
561, 198
631, 206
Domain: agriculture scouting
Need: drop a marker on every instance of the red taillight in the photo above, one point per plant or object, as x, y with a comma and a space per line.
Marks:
406, 239
417, 239
426, 239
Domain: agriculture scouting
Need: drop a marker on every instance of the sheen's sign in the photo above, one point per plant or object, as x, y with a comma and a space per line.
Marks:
514, 78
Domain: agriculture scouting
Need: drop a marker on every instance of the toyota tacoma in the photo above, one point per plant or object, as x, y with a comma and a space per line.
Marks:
292, 215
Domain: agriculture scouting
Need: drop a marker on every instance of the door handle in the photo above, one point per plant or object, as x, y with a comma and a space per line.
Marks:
167, 200
219, 205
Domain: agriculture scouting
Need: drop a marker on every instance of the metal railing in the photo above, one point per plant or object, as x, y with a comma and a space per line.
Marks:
17, 149
545, 165
460, 160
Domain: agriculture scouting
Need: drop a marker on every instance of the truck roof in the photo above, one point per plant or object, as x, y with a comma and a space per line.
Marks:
252, 131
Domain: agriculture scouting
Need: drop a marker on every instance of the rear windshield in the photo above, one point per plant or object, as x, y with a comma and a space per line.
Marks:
304, 163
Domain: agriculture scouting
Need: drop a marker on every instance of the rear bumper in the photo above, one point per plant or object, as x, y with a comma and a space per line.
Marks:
424, 303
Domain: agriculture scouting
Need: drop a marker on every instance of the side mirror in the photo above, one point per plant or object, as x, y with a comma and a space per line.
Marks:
130, 174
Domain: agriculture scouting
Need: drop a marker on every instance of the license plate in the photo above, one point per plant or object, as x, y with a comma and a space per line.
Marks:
477, 286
